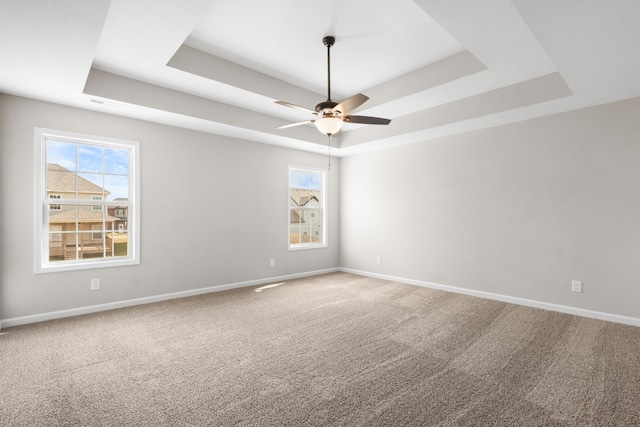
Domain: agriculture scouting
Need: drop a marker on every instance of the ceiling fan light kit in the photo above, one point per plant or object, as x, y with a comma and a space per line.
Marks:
329, 125
333, 114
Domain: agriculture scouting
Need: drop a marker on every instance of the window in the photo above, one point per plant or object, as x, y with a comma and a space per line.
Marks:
53, 206
96, 232
96, 207
80, 180
307, 204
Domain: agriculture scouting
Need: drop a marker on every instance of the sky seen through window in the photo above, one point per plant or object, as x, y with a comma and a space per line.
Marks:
105, 167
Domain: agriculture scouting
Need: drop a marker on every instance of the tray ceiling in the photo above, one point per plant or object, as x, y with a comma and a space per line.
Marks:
435, 68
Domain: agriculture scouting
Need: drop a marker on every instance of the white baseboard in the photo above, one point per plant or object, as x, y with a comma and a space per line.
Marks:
504, 298
16, 321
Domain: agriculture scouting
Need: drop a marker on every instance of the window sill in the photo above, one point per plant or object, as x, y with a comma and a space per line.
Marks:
84, 265
306, 246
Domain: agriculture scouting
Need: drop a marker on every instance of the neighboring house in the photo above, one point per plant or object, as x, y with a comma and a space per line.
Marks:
305, 222
77, 231
121, 214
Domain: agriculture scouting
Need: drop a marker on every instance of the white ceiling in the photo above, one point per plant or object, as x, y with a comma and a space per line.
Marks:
435, 67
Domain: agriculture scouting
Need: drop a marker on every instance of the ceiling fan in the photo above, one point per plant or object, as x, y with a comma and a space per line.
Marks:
333, 114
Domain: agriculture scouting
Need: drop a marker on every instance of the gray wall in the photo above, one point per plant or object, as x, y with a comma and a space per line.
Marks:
214, 211
518, 210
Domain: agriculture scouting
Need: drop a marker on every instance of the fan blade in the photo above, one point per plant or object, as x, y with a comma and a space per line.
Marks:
350, 104
366, 120
296, 107
290, 125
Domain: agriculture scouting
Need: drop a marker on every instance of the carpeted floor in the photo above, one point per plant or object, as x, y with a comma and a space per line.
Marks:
335, 349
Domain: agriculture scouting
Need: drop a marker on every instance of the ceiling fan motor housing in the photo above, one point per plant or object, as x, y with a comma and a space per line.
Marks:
326, 107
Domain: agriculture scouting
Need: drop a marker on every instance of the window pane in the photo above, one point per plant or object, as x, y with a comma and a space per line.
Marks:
60, 182
62, 242
90, 184
62, 234
294, 181
303, 180
295, 226
70, 244
116, 187
92, 239
96, 232
62, 154
53, 206
116, 161
313, 217
314, 181
305, 233
120, 241
295, 197
89, 158
88, 215
60, 217
56, 248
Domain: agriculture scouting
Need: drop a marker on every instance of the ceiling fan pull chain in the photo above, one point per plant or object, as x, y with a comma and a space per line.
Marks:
329, 152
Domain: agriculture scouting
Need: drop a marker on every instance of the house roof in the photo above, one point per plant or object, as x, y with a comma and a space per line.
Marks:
295, 218
302, 196
62, 180
120, 199
85, 214
307, 199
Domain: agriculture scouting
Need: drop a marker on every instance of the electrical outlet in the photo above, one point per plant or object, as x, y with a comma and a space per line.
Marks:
95, 284
378, 260
576, 286
272, 262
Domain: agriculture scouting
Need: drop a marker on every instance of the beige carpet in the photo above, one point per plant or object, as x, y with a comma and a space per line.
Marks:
336, 349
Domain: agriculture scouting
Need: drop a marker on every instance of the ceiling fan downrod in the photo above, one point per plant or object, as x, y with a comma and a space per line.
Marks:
328, 41
325, 107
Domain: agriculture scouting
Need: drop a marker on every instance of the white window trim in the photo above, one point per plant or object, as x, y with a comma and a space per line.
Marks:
324, 210
41, 236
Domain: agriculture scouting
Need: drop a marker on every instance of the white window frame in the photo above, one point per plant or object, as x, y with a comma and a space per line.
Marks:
323, 209
42, 203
